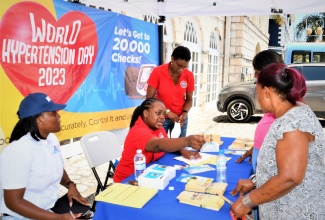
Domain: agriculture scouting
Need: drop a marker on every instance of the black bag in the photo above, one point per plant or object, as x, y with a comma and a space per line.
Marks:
62, 206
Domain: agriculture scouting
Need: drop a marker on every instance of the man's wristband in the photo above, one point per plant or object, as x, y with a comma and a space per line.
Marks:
68, 183
248, 202
185, 111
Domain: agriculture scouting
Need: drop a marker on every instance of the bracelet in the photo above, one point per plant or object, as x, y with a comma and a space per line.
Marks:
248, 202
253, 179
68, 183
185, 111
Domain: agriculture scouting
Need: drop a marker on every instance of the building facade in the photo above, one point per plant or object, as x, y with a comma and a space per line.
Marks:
222, 50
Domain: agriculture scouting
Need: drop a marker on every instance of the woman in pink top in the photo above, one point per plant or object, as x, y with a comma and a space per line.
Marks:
261, 60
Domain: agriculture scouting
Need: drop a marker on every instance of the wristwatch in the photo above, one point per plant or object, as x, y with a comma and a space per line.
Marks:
68, 183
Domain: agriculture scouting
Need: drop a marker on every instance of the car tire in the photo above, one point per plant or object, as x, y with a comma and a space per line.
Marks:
239, 110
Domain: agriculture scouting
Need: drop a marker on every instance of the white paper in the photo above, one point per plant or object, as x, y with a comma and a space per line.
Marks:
204, 157
176, 130
210, 147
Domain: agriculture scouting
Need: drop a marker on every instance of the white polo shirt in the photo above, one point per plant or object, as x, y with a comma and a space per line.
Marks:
34, 165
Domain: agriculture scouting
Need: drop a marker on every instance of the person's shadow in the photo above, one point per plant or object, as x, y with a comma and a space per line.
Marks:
224, 119
253, 120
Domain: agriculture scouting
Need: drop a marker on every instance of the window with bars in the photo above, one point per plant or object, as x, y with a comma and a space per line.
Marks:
190, 36
212, 70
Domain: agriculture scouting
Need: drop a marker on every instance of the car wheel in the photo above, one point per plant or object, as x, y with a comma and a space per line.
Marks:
239, 110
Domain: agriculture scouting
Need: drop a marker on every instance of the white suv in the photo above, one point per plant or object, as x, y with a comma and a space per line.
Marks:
239, 100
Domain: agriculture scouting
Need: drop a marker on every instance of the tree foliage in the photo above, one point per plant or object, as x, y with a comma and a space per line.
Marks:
310, 21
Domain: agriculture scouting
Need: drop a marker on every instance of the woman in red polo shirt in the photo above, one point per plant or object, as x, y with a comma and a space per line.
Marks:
147, 133
173, 83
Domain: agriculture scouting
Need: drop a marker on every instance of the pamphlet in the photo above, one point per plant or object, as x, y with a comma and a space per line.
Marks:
204, 157
242, 144
198, 169
206, 186
126, 195
184, 178
207, 201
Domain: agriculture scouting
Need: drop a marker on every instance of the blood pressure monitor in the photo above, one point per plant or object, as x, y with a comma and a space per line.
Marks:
143, 77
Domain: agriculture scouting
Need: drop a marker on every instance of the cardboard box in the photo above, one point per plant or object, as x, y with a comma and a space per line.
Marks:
157, 176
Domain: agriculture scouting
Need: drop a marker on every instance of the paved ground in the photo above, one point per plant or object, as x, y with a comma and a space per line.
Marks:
210, 121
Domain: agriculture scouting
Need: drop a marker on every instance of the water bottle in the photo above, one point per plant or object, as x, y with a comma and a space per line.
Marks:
221, 168
139, 164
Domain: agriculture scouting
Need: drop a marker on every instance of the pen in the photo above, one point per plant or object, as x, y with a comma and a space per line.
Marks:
72, 215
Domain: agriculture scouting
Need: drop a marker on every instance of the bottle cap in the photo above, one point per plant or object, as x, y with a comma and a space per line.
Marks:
139, 151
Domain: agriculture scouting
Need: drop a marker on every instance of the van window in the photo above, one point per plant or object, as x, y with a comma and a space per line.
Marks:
319, 57
304, 53
299, 56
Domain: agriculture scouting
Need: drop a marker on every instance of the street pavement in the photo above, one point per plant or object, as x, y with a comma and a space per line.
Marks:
210, 122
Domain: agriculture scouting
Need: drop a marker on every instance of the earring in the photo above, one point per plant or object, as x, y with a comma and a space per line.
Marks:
266, 98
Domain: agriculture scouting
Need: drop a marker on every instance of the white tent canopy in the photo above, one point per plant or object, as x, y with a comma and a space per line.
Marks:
174, 8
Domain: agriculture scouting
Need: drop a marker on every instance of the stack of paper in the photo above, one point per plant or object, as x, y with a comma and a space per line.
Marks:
207, 201
216, 188
206, 186
196, 185
126, 195
213, 138
241, 144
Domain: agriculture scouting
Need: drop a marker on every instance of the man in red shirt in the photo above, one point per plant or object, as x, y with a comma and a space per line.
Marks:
173, 83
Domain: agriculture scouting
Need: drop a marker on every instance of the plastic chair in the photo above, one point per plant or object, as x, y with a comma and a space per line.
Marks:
99, 148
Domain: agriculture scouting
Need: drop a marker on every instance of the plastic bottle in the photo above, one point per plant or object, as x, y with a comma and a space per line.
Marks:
139, 164
222, 168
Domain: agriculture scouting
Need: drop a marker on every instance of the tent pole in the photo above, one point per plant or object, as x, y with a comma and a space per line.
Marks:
161, 21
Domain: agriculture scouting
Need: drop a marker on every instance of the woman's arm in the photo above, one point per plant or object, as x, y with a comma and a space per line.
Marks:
291, 158
151, 92
186, 108
156, 144
73, 192
14, 199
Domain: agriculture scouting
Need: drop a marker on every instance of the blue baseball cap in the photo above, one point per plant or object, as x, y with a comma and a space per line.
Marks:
36, 103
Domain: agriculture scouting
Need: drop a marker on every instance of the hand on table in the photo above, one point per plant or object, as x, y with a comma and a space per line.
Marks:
243, 186
188, 154
245, 155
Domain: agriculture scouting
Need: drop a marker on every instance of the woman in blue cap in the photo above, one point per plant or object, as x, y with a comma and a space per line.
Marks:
31, 166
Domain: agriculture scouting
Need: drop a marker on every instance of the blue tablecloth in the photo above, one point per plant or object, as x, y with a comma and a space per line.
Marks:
165, 205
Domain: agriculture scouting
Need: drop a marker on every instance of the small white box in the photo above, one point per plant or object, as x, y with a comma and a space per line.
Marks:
157, 176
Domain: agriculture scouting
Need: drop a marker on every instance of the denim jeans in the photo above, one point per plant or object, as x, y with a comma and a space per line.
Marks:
169, 125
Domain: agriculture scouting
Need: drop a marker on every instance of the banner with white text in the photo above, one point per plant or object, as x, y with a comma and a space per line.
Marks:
95, 61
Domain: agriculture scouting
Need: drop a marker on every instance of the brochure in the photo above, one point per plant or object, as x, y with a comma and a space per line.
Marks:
184, 178
198, 169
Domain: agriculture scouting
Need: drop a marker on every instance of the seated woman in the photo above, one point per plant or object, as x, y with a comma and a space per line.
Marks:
31, 166
147, 133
